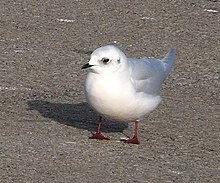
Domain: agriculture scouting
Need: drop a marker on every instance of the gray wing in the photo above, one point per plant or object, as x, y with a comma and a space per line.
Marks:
147, 75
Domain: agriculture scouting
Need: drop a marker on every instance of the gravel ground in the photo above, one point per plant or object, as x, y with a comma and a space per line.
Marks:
45, 121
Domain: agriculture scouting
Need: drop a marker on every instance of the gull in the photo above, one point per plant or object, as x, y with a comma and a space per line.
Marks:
124, 89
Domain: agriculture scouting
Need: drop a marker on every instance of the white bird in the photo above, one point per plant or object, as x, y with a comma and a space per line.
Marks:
124, 89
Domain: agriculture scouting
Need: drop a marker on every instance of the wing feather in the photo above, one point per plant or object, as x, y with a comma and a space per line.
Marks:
147, 74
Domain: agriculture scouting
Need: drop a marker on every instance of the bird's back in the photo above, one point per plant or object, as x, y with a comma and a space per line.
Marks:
148, 74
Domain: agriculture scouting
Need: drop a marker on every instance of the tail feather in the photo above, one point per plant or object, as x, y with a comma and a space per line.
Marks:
169, 59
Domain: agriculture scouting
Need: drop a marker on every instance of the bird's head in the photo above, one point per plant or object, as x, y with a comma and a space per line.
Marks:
106, 59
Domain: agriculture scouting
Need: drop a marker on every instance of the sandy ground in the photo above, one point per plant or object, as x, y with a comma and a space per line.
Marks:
45, 121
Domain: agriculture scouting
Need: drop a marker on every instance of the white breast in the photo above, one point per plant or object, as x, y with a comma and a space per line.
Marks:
118, 100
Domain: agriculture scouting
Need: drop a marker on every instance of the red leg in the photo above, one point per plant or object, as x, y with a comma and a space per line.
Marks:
134, 139
98, 134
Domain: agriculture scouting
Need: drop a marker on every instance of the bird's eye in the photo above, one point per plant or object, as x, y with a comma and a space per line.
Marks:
105, 60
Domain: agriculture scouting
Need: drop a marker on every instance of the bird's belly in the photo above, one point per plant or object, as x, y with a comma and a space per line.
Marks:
116, 109
122, 106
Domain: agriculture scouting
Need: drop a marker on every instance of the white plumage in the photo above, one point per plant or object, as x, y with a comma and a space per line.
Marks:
125, 89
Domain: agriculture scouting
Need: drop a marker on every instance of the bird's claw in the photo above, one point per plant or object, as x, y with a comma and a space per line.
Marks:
133, 140
98, 136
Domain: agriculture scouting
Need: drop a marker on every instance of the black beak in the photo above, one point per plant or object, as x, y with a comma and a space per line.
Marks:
85, 66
